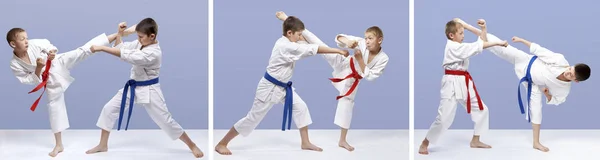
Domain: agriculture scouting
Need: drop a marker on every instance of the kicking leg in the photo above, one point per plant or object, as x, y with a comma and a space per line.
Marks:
71, 58
107, 119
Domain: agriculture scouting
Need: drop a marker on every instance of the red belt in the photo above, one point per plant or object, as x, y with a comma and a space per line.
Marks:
467, 78
43, 84
354, 75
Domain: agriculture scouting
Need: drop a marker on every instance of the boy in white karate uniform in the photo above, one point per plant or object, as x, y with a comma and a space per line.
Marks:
145, 55
29, 65
275, 86
550, 74
349, 70
458, 87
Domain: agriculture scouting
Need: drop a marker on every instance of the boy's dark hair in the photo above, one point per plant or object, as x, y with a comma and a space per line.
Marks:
292, 23
12, 34
582, 72
147, 26
452, 27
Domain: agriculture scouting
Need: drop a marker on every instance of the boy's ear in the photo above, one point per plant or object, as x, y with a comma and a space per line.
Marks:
153, 36
12, 44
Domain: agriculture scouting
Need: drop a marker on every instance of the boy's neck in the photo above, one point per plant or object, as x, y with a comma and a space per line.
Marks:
563, 78
20, 54
154, 42
375, 51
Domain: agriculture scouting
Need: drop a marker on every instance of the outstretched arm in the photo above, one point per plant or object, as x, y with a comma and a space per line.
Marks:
521, 40
110, 50
327, 50
545, 54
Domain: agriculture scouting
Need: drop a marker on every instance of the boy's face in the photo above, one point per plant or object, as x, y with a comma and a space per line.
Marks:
570, 74
294, 36
20, 44
373, 42
459, 36
145, 39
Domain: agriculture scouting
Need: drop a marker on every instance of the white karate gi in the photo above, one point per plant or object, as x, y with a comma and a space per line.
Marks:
454, 90
341, 69
146, 66
544, 72
281, 67
59, 75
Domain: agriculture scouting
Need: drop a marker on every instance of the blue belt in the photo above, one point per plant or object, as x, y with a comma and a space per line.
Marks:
529, 81
133, 84
289, 99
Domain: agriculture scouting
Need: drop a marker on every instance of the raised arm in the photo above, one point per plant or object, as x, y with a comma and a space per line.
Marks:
481, 33
468, 27
545, 54
482, 25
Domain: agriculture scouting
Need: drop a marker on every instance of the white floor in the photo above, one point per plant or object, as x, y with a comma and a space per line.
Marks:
279, 145
514, 145
123, 145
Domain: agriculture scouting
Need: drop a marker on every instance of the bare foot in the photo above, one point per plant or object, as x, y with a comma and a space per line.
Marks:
478, 144
310, 146
540, 147
97, 149
130, 30
197, 152
56, 151
346, 146
423, 149
222, 149
281, 15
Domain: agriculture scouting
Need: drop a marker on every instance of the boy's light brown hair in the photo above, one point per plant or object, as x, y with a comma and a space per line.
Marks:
376, 31
452, 27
